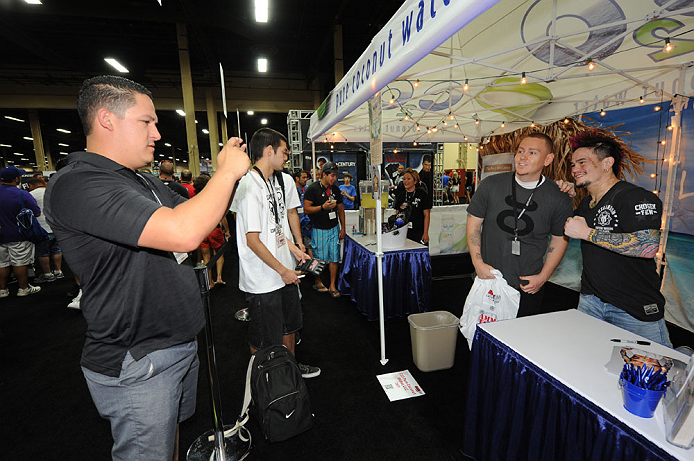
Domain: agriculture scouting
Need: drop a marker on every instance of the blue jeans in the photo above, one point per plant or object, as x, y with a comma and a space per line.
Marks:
655, 331
147, 401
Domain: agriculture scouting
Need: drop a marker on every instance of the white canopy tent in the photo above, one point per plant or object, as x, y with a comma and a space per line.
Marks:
454, 71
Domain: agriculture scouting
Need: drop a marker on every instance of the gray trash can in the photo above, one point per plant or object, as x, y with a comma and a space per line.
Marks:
434, 336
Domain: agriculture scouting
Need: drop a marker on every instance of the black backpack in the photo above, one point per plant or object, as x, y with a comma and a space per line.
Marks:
281, 402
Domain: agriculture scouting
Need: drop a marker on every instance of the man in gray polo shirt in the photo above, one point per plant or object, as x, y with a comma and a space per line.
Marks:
124, 232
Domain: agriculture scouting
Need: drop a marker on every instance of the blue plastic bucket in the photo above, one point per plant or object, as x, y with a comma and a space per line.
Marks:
639, 401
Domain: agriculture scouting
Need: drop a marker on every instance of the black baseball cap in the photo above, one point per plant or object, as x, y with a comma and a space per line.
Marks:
329, 167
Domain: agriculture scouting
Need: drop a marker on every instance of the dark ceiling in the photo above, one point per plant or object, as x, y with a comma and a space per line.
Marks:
57, 44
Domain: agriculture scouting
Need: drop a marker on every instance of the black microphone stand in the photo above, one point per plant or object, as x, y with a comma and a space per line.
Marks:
222, 443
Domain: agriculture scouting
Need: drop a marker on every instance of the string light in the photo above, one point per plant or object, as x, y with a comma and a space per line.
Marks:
435, 129
655, 192
602, 113
566, 121
662, 142
332, 146
503, 124
523, 80
669, 128
465, 138
668, 46
392, 99
395, 151
466, 86
641, 99
532, 124
477, 122
591, 64
456, 125
418, 127
450, 115
445, 123
656, 108
653, 175
416, 83
428, 130
407, 117
414, 143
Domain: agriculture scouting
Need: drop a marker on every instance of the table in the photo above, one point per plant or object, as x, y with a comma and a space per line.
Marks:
407, 282
537, 389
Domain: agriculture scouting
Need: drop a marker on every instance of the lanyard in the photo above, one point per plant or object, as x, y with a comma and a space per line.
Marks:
150, 189
515, 204
271, 190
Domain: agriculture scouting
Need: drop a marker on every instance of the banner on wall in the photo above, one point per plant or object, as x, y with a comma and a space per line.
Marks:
495, 164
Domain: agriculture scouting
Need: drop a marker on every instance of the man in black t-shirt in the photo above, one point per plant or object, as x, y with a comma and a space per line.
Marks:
124, 232
619, 225
166, 170
323, 205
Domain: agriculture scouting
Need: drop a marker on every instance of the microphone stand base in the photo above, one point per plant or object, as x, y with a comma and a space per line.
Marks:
203, 449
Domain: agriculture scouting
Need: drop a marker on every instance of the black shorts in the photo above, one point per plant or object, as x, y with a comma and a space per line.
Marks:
273, 315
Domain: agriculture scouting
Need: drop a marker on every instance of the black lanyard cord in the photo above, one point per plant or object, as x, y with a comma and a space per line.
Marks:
271, 190
517, 215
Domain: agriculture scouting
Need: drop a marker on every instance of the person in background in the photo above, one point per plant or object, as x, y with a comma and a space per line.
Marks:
47, 248
618, 224
323, 204
166, 171
426, 175
125, 235
300, 180
16, 253
511, 218
419, 202
445, 186
214, 241
349, 192
455, 187
187, 182
267, 256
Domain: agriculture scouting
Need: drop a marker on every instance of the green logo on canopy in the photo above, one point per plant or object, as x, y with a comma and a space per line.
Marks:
514, 100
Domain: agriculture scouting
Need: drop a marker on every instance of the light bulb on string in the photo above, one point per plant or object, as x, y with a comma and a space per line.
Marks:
641, 99
503, 124
602, 113
464, 138
532, 124
669, 128
668, 46
653, 175
566, 121
416, 83
445, 123
656, 108
392, 99
428, 130
418, 127
663, 142
450, 115
414, 143
466, 86
477, 122
435, 129
591, 64
395, 151
523, 80
456, 125
407, 117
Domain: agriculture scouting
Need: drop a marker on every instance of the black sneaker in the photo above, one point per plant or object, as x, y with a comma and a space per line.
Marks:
307, 371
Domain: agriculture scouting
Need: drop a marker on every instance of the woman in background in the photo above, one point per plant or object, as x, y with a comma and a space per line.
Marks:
419, 202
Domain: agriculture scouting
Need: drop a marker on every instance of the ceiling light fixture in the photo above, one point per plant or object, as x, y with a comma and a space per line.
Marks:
63, 130
5, 145
250, 112
33, 2
116, 65
63, 144
263, 121
262, 65
261, 10
205, 131
28, 138
180, 112
14, 118
17, 153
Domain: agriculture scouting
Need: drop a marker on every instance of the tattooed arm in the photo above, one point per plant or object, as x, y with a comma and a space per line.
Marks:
473, 230
639, 244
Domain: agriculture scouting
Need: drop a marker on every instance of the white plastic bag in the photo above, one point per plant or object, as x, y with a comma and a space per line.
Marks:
489, 300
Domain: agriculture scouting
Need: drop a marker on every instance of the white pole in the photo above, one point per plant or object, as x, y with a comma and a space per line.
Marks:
313, 166
379, 259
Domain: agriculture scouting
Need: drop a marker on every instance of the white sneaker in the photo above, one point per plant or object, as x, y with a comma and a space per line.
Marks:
58, 274
4, 293
29, 290
75, 303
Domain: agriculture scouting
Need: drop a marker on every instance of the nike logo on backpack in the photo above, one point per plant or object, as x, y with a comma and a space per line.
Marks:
290, 414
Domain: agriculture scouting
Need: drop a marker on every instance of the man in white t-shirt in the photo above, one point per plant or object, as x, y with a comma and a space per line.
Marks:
267, 254
49, 248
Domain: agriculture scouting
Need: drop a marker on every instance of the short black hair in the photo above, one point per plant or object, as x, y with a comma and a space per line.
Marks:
35, 181
112, 92
261, 139
544, 137
297, 174
426, 158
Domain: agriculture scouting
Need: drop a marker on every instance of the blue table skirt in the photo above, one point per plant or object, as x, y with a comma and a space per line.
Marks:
407, 283
516, 411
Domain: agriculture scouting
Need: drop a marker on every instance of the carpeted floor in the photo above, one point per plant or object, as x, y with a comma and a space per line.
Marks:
47, 413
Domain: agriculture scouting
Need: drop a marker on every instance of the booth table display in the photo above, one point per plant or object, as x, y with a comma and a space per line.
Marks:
538, 389
407, 282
